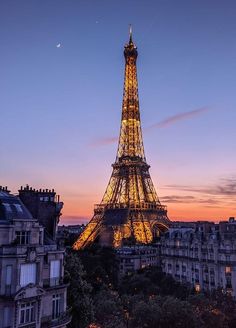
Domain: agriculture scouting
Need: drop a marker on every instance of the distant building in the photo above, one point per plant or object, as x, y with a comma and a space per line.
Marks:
74, 229
67, 235
134, 258
202, 254
32, 291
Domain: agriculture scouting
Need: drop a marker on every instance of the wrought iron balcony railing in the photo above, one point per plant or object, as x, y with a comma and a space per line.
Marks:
53, 282
8, 291
63, 319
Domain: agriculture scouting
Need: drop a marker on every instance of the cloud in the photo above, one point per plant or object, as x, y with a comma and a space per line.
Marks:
219, 195
178, 117
163, 124
174, 199
225, 187
103, 141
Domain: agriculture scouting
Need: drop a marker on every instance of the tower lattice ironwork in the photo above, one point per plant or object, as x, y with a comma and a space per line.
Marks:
130, 209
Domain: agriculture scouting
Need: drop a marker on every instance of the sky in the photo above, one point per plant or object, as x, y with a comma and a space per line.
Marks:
61, 83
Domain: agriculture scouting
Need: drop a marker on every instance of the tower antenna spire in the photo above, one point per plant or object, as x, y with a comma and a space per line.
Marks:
130, 33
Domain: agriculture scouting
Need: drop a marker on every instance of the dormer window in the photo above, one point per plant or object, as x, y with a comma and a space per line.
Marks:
23, 237
7, 207
18, 208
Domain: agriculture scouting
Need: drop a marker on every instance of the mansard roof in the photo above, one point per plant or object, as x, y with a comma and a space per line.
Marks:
11, 208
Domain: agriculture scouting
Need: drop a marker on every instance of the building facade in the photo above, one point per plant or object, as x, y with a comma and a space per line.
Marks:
32, 291
202, 254
134, 258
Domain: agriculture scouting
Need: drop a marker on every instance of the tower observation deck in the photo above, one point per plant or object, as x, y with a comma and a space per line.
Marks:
130, 210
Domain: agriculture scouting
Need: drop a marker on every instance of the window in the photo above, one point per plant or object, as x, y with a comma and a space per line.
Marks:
27, 274
197, 288
27, 312
41, 237
228, 282
212, 280
197, 277
6, 317
18, 208
55, 269
23, 237
56, 299
8, 280
7, 207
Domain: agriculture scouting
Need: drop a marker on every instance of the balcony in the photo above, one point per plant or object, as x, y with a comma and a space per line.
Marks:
13, 249
28, 325
8, 292
54, 283
63, 320
144, 206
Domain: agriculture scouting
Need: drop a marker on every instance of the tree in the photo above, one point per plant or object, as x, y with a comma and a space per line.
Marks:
108, 310
79, 292
215, 309
146, 315
137, 284
101, 265
176, 314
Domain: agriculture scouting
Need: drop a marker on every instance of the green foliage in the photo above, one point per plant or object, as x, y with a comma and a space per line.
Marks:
109, 311
79, 292
152, 281
147, 299
163, 312
177, 313
146, 314
214, 310
101, 266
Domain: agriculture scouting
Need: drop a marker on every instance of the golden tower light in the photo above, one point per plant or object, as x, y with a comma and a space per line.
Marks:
130, 208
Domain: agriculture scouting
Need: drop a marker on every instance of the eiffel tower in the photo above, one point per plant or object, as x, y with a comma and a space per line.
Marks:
130, 210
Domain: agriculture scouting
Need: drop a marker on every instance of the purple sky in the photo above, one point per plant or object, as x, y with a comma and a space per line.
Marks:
60, 106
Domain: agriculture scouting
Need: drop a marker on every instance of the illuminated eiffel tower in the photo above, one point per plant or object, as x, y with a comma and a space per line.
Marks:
130, 209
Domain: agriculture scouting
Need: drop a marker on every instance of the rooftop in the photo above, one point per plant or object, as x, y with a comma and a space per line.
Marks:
11, 207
